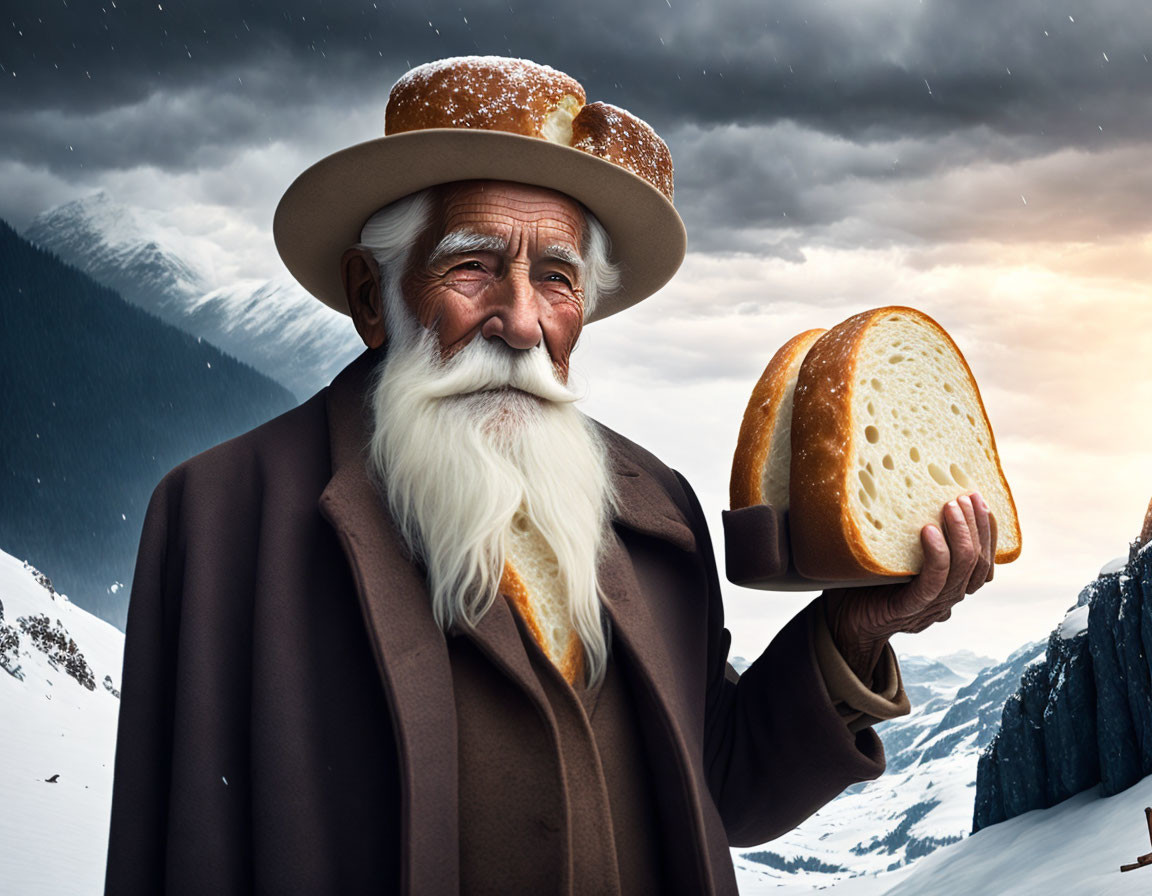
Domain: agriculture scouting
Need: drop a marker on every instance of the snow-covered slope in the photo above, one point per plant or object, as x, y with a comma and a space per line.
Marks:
1076, 847
921, 803
274, 325
59, 699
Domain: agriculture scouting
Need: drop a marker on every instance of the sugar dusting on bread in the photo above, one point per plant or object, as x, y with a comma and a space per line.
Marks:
523, 97
486, 92
619, 136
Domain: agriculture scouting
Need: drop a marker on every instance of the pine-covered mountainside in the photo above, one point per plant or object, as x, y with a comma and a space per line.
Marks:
274, 325
100, 400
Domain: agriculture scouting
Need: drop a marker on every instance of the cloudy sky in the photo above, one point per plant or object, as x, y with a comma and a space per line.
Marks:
986, 162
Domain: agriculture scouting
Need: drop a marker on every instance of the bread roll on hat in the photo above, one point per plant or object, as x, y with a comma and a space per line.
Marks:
487, 92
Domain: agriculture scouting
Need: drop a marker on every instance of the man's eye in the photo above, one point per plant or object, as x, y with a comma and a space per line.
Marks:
557, 277
471, 265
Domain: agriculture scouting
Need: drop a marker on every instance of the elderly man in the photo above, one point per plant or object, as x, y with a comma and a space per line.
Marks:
435, 630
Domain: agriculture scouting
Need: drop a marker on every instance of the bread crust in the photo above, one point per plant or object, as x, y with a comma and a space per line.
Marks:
759, 423
488, 92
523, 97
619, 136
826, 541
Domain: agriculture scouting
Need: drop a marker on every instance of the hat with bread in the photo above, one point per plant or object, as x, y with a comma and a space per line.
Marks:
491, 118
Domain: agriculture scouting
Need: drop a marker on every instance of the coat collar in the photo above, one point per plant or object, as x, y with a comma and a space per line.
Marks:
642, 504
411, 651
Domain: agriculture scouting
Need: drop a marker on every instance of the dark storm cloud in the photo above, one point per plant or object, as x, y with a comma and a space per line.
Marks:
866, 71
193, 128
762, 104
771, 190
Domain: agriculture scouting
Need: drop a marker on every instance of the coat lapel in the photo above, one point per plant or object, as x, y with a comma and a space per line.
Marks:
499, 639
410, 650
646, 508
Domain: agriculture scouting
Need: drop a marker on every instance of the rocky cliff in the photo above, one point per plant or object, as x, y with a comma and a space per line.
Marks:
1083, 715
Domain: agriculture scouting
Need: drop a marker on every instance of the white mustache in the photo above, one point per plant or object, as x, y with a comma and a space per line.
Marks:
485, 365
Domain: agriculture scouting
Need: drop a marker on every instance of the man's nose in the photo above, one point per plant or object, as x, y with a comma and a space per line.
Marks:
514, 313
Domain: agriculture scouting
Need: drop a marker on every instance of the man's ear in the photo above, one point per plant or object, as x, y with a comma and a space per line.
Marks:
361, 277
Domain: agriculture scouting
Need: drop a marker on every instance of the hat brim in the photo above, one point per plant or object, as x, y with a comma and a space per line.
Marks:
324, 210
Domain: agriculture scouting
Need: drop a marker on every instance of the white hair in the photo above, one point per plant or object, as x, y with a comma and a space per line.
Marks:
460, 446
392, 232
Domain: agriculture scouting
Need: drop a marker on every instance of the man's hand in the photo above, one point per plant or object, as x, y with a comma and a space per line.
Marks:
956, 563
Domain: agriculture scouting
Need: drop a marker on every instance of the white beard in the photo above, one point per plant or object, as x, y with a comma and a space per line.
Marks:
459, 446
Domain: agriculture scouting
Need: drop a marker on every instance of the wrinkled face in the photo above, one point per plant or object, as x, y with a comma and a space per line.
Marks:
501, 261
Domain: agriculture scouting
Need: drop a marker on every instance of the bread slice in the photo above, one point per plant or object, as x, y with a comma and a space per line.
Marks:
760, 467
887, 426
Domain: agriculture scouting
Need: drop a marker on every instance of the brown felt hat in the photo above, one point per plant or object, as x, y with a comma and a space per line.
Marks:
491, 118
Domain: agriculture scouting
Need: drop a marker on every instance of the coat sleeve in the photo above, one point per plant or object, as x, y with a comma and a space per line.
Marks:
776, 749
140, 786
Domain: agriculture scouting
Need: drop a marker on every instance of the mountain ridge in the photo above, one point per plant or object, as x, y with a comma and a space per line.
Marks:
272, 324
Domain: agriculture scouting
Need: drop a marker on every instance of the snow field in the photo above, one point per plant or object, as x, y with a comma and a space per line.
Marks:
54, 836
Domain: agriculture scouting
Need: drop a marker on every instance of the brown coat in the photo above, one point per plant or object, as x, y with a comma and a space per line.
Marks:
287, 721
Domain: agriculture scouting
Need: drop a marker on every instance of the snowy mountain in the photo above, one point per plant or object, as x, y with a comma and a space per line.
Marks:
1065, 724
117, 247
100, 400
921, 803
59, 699
966, 663
273, 325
